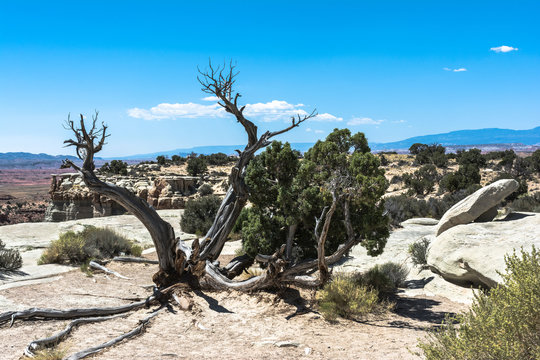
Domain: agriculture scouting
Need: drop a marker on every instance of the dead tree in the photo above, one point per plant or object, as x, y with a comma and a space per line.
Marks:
196, 265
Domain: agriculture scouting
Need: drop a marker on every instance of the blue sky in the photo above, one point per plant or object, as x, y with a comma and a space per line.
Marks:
391, 69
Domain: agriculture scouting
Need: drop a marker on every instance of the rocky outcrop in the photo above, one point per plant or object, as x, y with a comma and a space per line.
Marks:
473, 254
71, 199
169, 192
479, 205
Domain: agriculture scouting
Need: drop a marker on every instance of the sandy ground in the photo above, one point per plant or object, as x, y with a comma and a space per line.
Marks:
220, 325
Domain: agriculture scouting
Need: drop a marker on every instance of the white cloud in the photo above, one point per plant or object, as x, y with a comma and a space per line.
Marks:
176, 111
274, 110
270, 111
319, 131
364, 121
398, 121
327, 118
503, 49
455, 70
316, 131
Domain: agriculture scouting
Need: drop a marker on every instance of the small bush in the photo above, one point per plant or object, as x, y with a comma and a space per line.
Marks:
397, 273
206, 189
418, 251
196, 166
466, 176
385, 278
503, 324
118, 167
199, 214
91, 243
344, 297
10, 259
422, 181
527, 203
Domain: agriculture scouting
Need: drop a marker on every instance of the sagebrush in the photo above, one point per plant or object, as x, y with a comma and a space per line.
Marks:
419, 251
503, 324
10, 259
344, 297
91, 243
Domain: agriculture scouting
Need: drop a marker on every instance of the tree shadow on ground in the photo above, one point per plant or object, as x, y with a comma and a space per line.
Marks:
417, 284
8, 274
416, 310
421, 309
294, 298
213, 304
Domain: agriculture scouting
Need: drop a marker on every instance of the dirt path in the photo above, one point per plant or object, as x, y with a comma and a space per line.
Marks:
221, 325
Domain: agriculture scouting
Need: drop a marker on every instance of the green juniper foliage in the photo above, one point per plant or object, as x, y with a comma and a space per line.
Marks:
199, 214
287, 193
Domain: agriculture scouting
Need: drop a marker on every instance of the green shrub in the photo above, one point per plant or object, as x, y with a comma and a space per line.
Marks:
503, 324
466, 176
118, 167
429, 154
471, 157
178, 160
344, 297
418, 251
402, 207
199, 214
384, 279
218, 159
10, 259
136, 250
91, 243
196, 166
422, 181
206, 189
397, 273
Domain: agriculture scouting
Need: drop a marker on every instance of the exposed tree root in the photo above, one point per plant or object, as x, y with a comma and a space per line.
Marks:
95, 265
55, 339
72, 313
136, 331
134, 260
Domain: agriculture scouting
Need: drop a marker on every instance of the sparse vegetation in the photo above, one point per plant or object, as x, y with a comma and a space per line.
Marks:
55, 353
10, 259
91, 243
527, 203
402, 207
503, 324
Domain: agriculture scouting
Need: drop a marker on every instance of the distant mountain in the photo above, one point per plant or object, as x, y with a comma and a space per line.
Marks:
23, 160
486, 139
468, 137
490, 139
